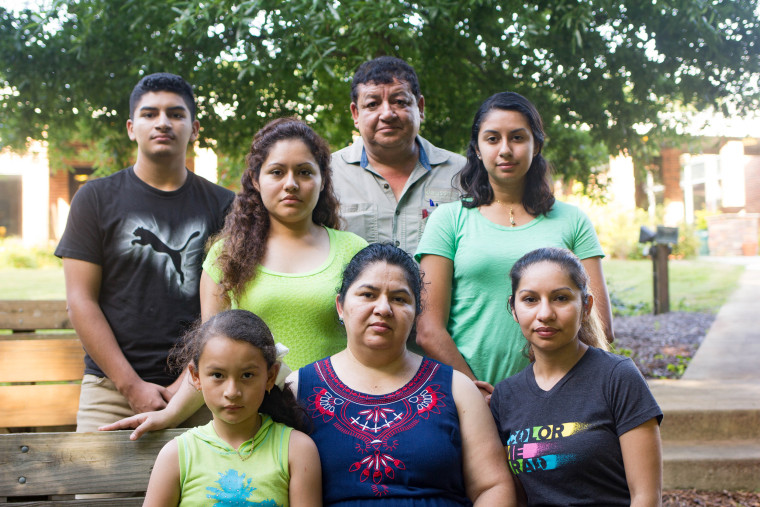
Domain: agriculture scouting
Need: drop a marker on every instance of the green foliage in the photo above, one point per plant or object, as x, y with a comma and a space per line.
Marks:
700, 218
618, 230
688, 242
679, 367
594, 69
623, 306
14, 255
621, 351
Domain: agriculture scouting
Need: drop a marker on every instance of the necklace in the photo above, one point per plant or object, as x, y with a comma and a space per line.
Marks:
511, 213
250, 453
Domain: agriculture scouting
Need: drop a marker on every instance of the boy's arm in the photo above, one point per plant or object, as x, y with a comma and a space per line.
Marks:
82, 292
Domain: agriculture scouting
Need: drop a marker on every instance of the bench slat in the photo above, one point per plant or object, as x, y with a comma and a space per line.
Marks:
41, 360
73, 463
54, 335
34, 315
39, 405
111, 502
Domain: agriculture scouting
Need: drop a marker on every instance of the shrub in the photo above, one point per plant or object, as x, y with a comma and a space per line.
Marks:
688, 242
618, 229
622, 308
13, 254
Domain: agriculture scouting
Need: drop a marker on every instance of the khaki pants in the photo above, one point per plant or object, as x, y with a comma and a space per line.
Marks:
100, 403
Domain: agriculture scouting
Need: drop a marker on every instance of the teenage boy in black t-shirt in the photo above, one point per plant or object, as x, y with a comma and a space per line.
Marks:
132, 254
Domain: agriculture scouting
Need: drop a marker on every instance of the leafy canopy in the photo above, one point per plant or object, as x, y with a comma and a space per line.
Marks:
594, 68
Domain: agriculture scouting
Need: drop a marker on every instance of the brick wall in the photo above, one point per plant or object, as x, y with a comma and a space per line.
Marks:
730, 234
59, 187
752, 183
671, 174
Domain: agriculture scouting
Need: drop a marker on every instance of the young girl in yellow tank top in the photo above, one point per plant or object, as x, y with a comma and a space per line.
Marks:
249, 454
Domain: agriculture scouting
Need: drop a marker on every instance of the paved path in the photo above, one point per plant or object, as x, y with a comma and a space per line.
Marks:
711, 430
731, 349
725, 371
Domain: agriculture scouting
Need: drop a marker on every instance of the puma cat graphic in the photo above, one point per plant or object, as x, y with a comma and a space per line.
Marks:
146, 237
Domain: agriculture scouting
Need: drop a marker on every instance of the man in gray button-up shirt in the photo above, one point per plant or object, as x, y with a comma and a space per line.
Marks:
391, 179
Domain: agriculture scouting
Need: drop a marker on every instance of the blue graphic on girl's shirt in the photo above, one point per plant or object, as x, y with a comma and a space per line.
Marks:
235, 490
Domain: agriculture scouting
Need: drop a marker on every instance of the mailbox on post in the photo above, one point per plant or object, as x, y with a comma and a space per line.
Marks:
661, 240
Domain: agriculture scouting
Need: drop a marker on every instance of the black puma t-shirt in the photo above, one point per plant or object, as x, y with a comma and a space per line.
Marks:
149, 244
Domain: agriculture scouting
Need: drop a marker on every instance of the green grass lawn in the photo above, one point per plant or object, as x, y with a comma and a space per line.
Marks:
43, 283
695, 286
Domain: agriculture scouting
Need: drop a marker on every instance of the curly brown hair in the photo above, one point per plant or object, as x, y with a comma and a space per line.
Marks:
246, 227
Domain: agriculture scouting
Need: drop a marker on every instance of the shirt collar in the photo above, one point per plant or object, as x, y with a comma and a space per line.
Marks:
423, 158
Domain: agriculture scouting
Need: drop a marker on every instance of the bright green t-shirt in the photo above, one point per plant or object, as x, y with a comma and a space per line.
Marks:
483, 252
211, 472
299, 308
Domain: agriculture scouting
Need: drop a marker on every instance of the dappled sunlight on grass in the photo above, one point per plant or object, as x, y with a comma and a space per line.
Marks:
695, 286
43, 283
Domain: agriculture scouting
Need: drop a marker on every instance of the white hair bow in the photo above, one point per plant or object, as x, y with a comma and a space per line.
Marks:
284, 368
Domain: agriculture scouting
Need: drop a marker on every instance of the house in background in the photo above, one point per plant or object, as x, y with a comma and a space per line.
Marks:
25, 195
723, 180
717, 175
35, 200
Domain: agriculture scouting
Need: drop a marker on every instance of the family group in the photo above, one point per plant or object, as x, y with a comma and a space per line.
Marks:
391, 323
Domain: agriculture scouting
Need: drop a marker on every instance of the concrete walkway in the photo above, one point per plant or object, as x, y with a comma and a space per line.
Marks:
731, 349
711, 430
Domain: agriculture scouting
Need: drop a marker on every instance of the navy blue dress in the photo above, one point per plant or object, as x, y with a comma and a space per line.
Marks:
402, 448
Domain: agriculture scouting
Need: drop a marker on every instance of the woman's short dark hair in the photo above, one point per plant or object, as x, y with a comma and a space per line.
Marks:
591, 332
244, 326
537, 197
384, 252
246, 227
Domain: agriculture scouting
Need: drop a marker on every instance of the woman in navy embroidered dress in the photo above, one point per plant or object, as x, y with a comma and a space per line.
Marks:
392, 427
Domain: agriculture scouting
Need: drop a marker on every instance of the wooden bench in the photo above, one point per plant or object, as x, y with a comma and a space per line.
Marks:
41, 365
50, 468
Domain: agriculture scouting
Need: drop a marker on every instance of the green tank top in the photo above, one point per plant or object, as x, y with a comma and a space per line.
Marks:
299, 308
213, 473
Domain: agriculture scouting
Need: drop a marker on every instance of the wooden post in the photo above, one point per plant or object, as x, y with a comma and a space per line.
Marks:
660, 254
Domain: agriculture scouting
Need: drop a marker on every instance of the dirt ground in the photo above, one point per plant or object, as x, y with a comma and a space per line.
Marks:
662, 346
688, 497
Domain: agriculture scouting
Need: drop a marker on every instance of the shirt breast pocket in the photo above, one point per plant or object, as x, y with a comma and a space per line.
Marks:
433, 197
361, 219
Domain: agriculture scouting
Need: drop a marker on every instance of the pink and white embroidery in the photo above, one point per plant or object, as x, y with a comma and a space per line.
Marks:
376, 420
428, 401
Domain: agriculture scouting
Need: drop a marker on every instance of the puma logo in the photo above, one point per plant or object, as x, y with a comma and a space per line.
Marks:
146, 237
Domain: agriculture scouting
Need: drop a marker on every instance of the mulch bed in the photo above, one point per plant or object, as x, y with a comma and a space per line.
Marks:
662, 346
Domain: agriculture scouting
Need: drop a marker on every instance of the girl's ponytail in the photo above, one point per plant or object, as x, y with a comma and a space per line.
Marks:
281, 405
